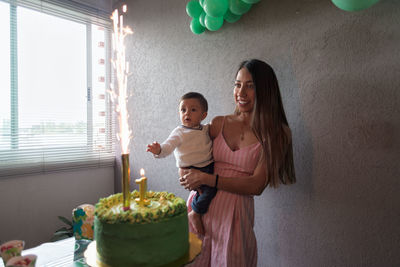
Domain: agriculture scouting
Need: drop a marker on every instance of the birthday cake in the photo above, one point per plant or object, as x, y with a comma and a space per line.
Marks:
152, 235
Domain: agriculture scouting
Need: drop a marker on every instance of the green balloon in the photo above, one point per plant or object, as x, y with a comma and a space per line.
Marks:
196, 27
239, 7
213, 23
354, 5
215, 8
230, 17
201, 18
193, 9
251, 1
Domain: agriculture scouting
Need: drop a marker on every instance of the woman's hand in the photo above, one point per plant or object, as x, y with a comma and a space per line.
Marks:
191, 179
182, 172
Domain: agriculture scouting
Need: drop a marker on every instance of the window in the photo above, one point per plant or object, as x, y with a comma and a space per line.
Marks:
55, 113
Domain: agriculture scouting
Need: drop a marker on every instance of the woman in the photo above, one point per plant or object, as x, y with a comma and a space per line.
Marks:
252, 149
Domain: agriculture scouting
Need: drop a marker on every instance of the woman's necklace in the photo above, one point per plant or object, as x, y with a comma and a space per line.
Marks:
242, 129
242, 135
242, 132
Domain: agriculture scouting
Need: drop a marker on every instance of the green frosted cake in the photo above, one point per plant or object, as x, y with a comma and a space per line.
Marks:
152, 235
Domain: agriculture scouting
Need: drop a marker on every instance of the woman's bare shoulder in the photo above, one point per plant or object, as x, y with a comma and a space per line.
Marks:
215, 126
217, 120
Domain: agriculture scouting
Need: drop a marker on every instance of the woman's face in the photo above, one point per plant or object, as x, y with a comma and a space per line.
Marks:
244, 91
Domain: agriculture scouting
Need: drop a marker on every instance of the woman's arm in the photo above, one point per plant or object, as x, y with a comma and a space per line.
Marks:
245, 185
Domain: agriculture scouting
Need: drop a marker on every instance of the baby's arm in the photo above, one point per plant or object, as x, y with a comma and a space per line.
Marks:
167, 147
154, 148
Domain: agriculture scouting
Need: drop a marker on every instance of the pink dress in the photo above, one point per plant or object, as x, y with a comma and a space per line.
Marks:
229, 238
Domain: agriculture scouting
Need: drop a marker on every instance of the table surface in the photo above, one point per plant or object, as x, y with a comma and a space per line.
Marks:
69, 253
63, 253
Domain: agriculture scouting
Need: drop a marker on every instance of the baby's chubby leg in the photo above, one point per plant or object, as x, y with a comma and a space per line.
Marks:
196, 222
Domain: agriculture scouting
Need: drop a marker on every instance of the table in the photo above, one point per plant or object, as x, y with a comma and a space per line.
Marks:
69, 253
63, 253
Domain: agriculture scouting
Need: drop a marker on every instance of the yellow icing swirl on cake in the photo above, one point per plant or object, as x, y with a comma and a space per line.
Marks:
162, 205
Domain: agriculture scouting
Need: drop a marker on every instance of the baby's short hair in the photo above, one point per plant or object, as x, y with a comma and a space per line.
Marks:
198, 96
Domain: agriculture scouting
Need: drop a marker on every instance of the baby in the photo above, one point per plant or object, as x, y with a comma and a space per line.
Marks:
192, 148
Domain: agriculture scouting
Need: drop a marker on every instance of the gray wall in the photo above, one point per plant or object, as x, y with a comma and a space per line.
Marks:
339, 74
29, 205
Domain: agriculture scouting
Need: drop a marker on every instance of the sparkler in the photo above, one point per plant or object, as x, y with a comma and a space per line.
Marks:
121, 67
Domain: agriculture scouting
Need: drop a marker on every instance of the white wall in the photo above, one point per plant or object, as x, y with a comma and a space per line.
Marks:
29, 205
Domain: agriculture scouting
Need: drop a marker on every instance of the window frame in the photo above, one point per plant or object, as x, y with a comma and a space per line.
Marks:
90, 156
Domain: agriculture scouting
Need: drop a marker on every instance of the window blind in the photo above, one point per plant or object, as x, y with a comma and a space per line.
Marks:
80, 11
56, 113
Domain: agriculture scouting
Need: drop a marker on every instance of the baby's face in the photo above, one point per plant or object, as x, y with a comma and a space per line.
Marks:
191, 113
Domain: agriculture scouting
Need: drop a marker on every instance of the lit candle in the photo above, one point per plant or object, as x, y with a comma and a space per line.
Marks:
142, 182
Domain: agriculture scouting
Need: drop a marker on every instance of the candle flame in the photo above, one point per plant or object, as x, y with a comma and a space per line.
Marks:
124, 8
142, 172
121, 67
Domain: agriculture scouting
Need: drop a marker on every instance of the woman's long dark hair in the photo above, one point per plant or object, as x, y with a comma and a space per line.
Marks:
270, 125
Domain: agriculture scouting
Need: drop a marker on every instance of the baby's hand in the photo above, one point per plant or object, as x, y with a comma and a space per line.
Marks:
154, 148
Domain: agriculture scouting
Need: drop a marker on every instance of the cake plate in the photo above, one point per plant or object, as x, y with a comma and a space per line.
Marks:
194, 249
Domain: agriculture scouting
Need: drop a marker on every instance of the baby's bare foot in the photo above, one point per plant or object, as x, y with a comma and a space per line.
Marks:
197, 224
